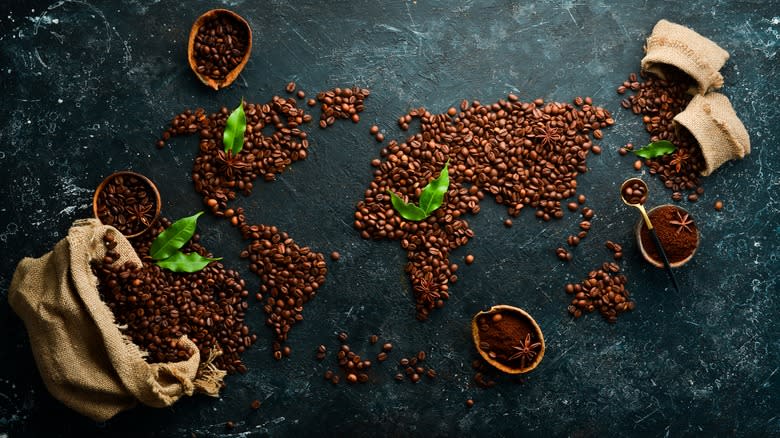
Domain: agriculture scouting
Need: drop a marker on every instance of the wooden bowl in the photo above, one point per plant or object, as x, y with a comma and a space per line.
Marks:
146, 181
521, 314
659, 263
233, 74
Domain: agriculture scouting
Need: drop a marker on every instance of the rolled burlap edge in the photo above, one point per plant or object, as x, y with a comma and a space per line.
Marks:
681, 47
713, 122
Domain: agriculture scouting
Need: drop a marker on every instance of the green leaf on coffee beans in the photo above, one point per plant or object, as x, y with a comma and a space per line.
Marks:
170, 240
433, 194
431, 198
233, 137
180, 262
656, 149
405, 209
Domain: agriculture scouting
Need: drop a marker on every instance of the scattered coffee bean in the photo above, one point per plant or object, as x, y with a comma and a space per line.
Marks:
718, 205
638, 165
230, 425
508, 223
469, 403
387, 347
379, 137
469, 259
374, 130
301, 94
290, 87
335, 256
381, 357
342, 337
255, 405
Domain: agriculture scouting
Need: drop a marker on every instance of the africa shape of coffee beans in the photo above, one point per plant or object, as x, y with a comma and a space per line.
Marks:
525, 154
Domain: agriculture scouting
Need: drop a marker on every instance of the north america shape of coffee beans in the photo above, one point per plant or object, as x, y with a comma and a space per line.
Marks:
525, 154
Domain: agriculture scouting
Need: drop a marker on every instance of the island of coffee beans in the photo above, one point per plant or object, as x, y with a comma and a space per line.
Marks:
675, 229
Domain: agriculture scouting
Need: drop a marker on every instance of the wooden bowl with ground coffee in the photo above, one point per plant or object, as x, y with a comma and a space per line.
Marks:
677, 232
508, 338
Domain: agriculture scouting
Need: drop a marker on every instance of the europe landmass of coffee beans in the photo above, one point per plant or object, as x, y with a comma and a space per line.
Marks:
525, 154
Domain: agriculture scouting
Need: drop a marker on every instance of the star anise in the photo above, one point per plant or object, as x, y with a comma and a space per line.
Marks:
525, 351
229, 163
426, 290
140, 212
683, 222
680, 158
549, 135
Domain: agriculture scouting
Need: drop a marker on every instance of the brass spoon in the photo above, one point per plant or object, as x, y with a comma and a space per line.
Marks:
637, 191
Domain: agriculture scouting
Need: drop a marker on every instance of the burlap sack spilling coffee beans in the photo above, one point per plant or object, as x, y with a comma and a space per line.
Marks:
678, 46
718, 130
82, 356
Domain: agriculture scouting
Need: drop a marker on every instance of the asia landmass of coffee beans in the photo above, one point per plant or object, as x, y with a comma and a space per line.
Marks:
525, 154
658, 101
220, 45
156, 306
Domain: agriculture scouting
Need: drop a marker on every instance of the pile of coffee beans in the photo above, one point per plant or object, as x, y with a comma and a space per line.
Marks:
290, 276
127, 203
525, 154
604, 290
413, 368
658, 101
158, 306
220, 45
341, 103
635, 193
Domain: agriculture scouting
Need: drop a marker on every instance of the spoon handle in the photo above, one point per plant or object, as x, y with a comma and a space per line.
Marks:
664, 258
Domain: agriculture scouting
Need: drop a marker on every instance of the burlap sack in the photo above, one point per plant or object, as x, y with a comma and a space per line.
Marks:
676, 45
82, 356
718, 130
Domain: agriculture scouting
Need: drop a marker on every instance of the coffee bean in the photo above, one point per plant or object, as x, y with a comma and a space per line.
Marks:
290, 87
374, 130
379, 137
342, 337
693, 197
508, 223
469, 259
572, 206
381, 357
469, 403
718, 205
255, 405
301, 94
399, 377
638, 165
581, 199
387, 347
421, 356
335, 256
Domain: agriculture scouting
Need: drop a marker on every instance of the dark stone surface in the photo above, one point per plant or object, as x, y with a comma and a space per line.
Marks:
88, 87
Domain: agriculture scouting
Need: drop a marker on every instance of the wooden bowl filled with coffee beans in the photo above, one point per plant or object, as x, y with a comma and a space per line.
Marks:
128, 201
508, 338
219, 47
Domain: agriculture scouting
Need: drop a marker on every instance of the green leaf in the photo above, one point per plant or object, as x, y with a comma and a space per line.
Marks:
656, 149
233, 136
433, 194
170, 240
406, 210
180, 262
